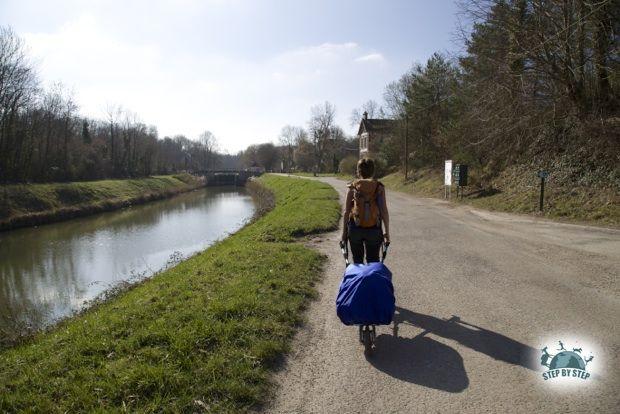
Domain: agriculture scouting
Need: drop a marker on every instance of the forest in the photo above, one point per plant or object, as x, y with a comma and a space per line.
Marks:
537, 84
43, 137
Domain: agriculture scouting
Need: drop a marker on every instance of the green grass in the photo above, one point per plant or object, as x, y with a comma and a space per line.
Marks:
425, 183
309, 209
309, 174
26, 204
202, 336
517, 192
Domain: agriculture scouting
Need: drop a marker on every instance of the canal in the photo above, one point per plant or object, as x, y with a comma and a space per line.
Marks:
48, 272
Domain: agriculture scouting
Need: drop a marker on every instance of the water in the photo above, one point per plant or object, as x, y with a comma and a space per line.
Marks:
50, 271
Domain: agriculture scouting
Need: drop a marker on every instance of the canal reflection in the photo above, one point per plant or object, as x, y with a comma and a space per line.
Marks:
49, 271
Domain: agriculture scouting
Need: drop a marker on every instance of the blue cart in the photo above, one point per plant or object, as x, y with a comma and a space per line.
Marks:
366, 296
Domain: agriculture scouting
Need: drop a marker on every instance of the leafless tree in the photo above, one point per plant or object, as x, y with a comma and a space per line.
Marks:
320, 131
372, 108
289, 139
18, 86
208, 147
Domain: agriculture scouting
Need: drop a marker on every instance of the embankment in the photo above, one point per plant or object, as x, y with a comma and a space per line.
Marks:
23, 205
200, 337
517, 190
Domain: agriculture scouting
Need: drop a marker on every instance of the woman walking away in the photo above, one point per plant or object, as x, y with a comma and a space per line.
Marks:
365, 213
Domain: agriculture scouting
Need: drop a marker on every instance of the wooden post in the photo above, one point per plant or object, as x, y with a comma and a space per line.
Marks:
542, 193
406, 147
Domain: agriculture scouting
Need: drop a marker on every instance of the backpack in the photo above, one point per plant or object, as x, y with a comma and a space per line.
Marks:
365, 212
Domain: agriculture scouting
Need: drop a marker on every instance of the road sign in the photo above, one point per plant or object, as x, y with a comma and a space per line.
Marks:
448, 173
460, 175
543, 174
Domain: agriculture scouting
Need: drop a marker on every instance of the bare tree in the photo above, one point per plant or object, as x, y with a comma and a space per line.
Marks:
372, 108
18, 86
320, 129
289, 138
209, 146
113, 115
395, 96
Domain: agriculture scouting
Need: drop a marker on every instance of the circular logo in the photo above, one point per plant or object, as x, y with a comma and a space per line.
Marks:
567, 359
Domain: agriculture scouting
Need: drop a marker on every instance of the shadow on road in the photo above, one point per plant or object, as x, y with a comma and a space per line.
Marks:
422, 361
430, 363
495, 345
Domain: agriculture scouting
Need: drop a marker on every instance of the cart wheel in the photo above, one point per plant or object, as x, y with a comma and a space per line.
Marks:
368, 340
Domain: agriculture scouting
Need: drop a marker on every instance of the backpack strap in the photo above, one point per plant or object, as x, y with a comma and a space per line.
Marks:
380, 191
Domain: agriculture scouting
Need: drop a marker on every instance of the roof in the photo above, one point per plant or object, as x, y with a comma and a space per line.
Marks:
376, 125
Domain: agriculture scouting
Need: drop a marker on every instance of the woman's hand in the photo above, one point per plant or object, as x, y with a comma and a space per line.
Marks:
386, 237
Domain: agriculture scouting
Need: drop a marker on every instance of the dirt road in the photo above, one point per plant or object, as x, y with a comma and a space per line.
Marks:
478, 295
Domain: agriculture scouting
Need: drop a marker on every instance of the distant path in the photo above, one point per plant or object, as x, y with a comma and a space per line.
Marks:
514, 283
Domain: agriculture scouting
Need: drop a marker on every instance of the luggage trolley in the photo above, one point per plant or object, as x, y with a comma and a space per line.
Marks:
367, 333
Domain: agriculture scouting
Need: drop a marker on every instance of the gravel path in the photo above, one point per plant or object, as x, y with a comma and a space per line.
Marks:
477, 294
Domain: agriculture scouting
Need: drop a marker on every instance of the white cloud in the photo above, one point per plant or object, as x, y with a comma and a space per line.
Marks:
372, 57
240, 100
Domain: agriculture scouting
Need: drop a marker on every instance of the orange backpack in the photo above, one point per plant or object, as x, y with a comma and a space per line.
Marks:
365, 212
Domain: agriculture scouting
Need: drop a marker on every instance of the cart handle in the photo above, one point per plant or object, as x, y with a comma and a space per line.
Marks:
386, 246
345, 251
344, 248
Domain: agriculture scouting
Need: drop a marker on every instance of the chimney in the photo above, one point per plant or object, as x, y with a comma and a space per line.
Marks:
365, 115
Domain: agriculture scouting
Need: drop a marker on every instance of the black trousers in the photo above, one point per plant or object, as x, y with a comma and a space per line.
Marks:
365, 238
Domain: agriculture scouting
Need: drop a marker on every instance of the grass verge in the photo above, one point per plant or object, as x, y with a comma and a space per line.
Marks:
310, 174
24, 205
342, 176
200, 337
518, 191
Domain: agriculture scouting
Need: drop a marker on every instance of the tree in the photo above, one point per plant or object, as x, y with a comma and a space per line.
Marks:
370, 107
249, 157
86, 139
267, 156
289, 138
320, 131
207, 149
304, 155
18, 86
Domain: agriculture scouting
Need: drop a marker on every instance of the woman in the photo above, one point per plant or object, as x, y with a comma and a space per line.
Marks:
365, 213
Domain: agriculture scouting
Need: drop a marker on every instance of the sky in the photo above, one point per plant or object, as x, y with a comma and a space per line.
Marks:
241, 69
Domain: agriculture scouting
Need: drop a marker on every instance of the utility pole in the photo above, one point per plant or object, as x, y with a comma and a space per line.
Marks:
406, 146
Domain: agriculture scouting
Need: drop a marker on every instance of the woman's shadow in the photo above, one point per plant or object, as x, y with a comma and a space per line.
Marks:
420, 360
424, 361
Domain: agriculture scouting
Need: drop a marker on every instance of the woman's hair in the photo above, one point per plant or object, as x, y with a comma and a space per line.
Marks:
366, 168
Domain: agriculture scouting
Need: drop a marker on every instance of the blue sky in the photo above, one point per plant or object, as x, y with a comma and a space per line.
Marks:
239, 68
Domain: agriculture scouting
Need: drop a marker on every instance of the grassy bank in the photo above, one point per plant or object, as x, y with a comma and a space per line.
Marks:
517, 190
32, 204
200, 337
309, 174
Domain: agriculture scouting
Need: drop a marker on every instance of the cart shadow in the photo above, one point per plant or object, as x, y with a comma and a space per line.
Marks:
496, 346
421, 361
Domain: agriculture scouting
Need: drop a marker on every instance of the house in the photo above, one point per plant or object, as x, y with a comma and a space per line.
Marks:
372, 133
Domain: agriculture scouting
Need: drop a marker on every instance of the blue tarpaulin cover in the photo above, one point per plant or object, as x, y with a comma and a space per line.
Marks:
366, 295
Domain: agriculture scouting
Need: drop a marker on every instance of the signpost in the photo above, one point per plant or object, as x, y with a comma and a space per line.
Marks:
543, 175
459, 173
447, 180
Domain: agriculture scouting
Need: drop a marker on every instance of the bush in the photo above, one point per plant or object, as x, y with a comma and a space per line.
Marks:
348, 165
381, 165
